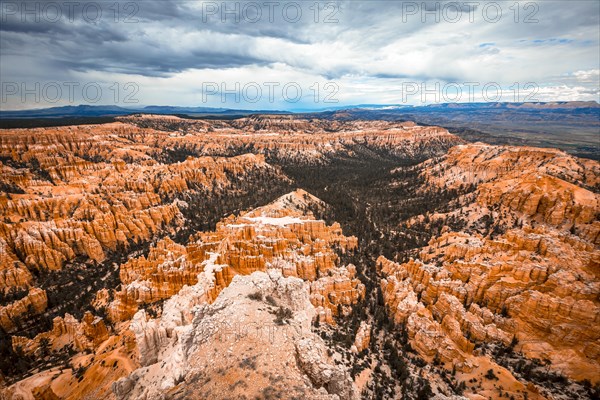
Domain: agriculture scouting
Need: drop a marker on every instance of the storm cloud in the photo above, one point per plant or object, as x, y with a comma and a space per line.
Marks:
350, 51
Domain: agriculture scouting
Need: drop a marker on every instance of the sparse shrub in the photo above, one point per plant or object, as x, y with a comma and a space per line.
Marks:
490, 375
460, 388
424, 392
283, 315
79, 372
271, 300
248, 363
257, 296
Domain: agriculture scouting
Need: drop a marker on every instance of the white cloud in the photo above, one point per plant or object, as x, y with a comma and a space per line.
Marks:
369, 53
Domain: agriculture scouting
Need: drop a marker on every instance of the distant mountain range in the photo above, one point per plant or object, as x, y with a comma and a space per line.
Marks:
111, 111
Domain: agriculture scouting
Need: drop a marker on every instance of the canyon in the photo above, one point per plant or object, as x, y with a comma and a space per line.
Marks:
274, 256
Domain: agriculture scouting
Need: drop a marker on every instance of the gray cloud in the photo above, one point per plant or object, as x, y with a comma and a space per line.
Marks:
353, 42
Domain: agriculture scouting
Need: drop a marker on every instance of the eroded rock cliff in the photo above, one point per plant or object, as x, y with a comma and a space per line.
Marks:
282, 235
522, 273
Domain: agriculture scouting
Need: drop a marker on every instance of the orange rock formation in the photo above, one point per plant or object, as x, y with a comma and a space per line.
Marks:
537, 282
282, 235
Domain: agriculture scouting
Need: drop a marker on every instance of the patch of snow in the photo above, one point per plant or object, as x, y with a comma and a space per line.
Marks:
282, 221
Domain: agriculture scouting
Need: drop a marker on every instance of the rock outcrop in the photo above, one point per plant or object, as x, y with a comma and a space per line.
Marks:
291, 139
263, 276
84, 196
282, 235
532, 279
363, 337
35, 302
541, 185
236, 346
85, 335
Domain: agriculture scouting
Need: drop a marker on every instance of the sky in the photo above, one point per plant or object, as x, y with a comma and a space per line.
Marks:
286, 55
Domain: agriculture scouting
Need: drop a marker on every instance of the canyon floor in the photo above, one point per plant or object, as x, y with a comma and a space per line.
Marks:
287, 257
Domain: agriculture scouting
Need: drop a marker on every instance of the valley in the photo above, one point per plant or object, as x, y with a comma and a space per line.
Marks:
281, 256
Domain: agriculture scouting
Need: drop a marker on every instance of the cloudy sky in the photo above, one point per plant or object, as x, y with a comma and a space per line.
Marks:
296, 55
